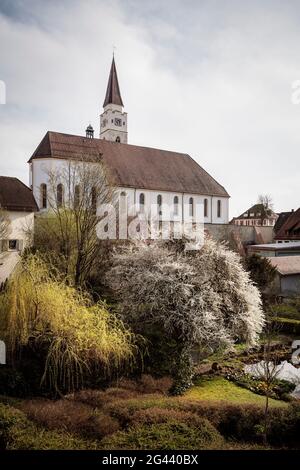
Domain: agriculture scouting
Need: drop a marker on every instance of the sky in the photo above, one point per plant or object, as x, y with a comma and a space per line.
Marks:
206, 77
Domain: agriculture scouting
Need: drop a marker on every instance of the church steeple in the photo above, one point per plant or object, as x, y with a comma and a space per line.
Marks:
113, 95
113, 121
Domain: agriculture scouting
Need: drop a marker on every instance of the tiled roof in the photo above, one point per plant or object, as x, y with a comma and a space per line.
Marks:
290, 230
282, 217
15, 196
286, 265
113, 94
133, 166
257, 211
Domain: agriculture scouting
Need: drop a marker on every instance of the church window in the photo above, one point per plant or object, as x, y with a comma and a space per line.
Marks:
118, 140
159, 204
77, 196
94, 199
43, 196
219, 208
205, 208
191, 207
123, 194
142, 202
59, 195
175, 205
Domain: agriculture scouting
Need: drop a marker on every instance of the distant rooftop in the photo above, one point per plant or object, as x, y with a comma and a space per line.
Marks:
276, 246
286, 265
15, 196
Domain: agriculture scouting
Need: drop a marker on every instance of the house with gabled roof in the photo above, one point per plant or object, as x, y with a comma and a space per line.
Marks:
289, 231
256, 215
17, 206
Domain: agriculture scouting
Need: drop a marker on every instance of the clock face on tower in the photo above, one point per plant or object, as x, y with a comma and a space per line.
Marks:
118, 122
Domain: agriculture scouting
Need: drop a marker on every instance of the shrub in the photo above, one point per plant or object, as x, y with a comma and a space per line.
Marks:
284, 426
99, 398
18, 433
287, 325
147, 384
159, 415
12, 382
38, 309
70, 416
200, 298
166, 436
237, 422
261, 270
286, 311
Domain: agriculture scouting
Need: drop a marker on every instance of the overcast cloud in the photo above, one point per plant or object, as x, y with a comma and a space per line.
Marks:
209, 78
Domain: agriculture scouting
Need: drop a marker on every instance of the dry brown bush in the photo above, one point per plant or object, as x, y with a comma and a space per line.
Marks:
99, 398
71, 416
147, 384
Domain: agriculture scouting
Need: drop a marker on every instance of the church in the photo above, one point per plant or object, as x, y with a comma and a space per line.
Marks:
148, 177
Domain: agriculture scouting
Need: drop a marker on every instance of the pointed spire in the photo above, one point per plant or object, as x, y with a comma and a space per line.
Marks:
113, 95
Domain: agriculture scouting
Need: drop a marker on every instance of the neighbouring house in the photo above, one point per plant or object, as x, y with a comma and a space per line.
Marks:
257, 215
18, 203
170, 183
289, 230
275, 249
287, 281
282, 218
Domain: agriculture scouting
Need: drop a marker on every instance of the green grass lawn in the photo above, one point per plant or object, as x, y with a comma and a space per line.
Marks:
219, 389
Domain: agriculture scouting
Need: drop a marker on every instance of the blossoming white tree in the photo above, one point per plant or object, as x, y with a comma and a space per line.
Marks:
202, 298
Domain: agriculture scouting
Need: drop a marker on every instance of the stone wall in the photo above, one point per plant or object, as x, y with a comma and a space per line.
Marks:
240, 236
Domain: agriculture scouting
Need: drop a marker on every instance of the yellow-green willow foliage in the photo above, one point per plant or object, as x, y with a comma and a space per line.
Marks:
79, 336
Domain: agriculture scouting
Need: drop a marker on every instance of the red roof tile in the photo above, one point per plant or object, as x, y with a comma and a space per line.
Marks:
15, 196
290, 230
133, 166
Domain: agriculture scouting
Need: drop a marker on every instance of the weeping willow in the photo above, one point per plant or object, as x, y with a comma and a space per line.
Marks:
79, 335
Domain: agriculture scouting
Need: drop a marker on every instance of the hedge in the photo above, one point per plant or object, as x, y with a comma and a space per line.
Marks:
287, 325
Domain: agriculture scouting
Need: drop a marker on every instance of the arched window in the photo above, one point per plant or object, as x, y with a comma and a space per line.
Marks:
142, 202
59, 195
94, 199
118, 140
43, 196
205, 207
77, 196
175, 203
159, 204
191, 207
219, 208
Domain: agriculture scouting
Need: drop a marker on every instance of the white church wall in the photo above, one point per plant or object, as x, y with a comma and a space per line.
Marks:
224, 219
133, 196
40, 175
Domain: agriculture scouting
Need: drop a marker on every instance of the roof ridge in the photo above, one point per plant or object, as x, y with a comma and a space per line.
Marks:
115, 143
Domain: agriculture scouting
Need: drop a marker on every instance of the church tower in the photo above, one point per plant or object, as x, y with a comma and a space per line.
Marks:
113, 121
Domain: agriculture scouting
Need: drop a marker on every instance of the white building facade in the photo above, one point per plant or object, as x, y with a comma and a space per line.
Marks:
18, 207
